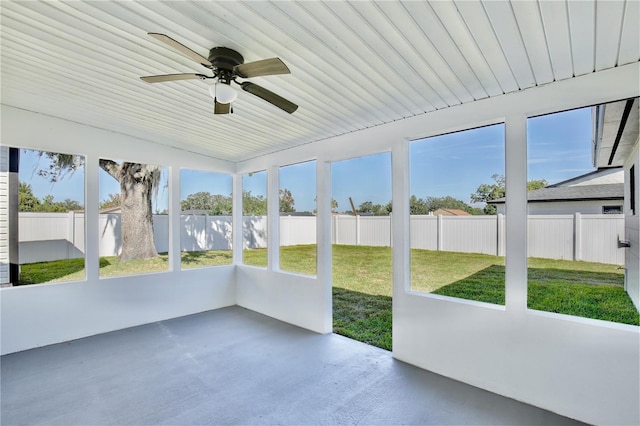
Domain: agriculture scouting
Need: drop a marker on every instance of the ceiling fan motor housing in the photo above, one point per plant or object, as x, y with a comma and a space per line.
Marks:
224, 58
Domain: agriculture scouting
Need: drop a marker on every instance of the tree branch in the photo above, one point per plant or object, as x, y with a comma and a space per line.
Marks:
111, 167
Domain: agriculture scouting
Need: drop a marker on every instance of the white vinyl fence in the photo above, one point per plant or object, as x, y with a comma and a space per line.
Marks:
51, 236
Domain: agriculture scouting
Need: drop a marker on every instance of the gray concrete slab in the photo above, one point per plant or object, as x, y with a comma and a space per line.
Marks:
234, 366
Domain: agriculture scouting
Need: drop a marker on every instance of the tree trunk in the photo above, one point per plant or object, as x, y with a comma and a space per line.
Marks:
136, 186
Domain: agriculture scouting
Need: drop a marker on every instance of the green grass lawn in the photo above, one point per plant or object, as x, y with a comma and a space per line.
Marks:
73, 270
53, 271
110, 266
202, 259
362, 282
255, 257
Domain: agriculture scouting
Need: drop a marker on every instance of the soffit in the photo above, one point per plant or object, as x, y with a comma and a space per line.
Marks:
619, 133
354, 65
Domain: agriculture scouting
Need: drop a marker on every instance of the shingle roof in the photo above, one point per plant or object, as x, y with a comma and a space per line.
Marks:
451, 212
612, 191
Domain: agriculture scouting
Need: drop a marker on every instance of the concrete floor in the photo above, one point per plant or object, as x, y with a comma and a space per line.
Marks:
234, 366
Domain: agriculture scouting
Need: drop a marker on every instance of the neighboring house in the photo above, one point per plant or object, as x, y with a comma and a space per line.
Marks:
597, 192
612, 188
450, 212
196, 212
296, 214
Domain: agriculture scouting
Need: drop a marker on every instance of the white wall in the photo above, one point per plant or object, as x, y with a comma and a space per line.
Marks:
603, 177
286, 296
34, 316
301, 300
40, 315
581, 368
567, 207
632, 230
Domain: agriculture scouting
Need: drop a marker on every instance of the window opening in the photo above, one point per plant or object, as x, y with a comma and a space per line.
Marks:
205, 219
575, 264
47, 191
362, 261
134, 218
254, 219
457, 208
297, 192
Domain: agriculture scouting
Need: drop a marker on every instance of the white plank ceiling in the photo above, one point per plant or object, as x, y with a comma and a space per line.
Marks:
353, 65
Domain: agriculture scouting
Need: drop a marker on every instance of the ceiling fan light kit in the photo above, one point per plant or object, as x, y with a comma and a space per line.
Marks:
227, 65
223, 93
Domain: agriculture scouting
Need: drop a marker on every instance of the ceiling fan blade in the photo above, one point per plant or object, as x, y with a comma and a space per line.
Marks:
271, 66
182, 49
219, 108
269, 96
172, 77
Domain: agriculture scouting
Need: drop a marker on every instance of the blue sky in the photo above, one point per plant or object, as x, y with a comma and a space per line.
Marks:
71, 187
559, 145
192, 181
454, 164
256, 183
363, 179
300, 179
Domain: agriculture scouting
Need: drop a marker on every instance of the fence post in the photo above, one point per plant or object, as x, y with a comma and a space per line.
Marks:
439, 233
357, 229
391, 231
207, 224
577, 236
71, 233
334, 222
500, 228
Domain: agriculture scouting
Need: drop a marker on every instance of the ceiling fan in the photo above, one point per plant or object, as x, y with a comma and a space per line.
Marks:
227, 65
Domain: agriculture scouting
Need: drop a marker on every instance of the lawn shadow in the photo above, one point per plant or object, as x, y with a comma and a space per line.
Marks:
192, 256
363, 317
598, 295
570, 276
212, 257
42, 272
486, 285
55, 270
